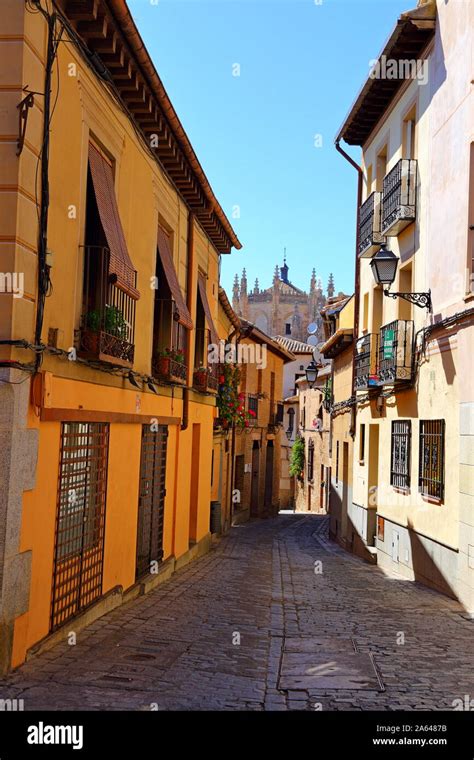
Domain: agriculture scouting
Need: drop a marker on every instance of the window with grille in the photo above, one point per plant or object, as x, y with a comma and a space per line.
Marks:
310, 459
431, 460
80, 521
401, 452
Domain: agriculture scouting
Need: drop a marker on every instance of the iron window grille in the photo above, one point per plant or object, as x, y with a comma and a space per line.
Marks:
396, 352
431, 458
80, 519
310, 459
400, 454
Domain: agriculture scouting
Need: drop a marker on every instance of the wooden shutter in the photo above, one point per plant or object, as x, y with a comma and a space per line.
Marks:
182, 314
207, 310
121, 270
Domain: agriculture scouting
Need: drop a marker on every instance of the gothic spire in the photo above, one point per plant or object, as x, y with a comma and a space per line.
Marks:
330, 289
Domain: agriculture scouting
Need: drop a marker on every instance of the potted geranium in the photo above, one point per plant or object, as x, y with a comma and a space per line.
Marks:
98, 322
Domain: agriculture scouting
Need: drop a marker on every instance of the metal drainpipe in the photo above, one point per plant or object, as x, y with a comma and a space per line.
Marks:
357, 276
189, 298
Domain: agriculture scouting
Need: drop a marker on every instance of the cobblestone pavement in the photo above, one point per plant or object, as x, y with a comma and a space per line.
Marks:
330, 640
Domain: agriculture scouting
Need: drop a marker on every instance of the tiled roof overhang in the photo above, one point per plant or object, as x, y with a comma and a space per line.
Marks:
412, 33
337, 342
228, 310
107, 29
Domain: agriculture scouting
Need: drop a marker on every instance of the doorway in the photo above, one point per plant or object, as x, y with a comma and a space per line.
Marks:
372, 483
255, 475
151, 498
268, 498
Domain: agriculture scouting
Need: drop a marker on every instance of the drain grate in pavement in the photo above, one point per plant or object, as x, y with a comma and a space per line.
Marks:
319, 663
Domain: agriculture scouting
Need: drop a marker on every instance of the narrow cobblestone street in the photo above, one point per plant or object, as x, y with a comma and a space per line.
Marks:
308, 640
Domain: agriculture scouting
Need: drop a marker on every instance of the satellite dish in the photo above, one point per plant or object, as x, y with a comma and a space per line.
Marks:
312, 328
316, 354
312, 340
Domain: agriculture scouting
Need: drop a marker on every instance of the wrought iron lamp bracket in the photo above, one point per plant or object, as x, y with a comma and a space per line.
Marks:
423, 300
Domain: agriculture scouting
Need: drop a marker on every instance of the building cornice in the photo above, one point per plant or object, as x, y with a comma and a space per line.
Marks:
111, 40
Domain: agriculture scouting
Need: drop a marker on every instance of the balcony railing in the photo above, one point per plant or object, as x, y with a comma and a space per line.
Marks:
252, 406
399, 197
366, 362
206, 379
396, 352
169, 368
107, 330
370, 225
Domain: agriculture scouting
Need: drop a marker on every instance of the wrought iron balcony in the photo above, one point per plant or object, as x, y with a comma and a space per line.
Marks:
399, 197
396, 352
206, 379
108, 315
169, 368
370, 225
366, 362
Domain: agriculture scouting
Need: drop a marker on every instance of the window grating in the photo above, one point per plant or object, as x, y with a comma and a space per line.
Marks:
431, 461
401, 452
80, 519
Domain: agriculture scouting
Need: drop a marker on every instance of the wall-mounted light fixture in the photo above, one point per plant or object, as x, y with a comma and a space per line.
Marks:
384, 268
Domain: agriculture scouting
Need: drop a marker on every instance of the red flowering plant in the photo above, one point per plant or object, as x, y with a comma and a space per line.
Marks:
230, 402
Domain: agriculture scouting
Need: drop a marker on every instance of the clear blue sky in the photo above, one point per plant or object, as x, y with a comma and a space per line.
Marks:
301, 66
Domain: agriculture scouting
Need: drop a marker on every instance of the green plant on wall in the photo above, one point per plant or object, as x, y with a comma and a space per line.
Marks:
113, 322
297, 459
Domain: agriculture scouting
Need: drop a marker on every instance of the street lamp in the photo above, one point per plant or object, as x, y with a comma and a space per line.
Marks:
384, 268
311, 373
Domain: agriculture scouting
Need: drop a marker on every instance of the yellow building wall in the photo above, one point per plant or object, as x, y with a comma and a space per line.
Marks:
145, 198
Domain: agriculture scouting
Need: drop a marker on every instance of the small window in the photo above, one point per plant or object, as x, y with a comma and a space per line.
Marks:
431, 458
400, 454
362, 444
288, 329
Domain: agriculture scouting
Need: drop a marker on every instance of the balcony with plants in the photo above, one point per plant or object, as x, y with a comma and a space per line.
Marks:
395, 354
169, 344
205, 375
107, 331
